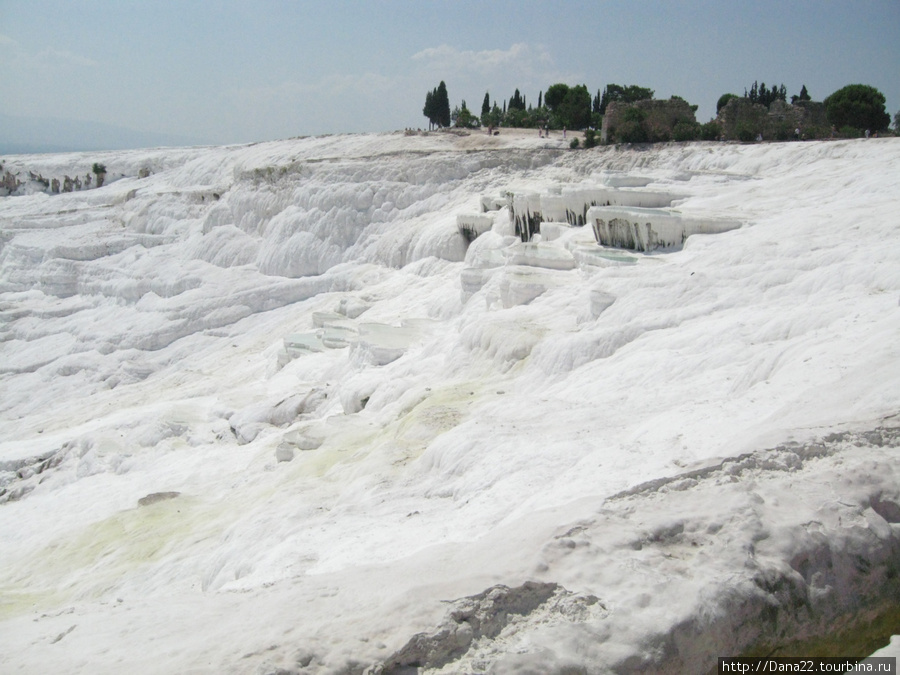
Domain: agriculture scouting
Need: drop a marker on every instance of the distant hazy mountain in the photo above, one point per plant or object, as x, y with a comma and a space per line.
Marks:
47, 134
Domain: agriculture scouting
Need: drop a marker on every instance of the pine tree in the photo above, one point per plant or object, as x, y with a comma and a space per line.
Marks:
486, 105
517, 102
437, 106
540, 99
859, 106
428, 110
803, 96
442, 105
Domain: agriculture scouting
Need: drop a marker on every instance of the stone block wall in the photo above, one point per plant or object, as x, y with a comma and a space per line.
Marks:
777, 122
660, 117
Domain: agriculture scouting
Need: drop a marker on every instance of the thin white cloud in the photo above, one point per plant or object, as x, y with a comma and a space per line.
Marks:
65, 57
46, 60
469, 73
367, 83
520, 56
333, 85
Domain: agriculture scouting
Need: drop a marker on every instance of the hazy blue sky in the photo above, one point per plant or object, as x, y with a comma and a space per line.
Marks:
227, 71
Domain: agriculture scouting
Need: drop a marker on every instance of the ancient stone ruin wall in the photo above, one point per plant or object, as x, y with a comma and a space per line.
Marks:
813, 113
741, 112
661, 116
778, 122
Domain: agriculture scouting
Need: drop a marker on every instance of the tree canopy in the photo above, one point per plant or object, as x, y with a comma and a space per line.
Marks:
723, 101
858, 106
803, 96
759, 94
463, 117
517, 102
574, 111
623, 94
437, 106
555, 95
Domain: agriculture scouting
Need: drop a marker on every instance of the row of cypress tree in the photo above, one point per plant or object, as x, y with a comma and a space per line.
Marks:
437, 106
563, 106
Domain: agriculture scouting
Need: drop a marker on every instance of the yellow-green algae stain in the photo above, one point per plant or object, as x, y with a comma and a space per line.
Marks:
93, 560
404, 438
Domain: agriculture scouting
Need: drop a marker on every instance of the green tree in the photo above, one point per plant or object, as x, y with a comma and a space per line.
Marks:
555, 95
773, 94
632, 128
745, 132
859, 106
623, 94
803, 96
710, 131
516, 117
753, 94
437, 106
634, 93
723, 101
429, 110
464, 118
486, 105
897, 122
685, 131
760, 94
575, 109
678, 98
442, 105
493, 118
